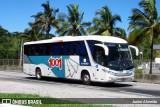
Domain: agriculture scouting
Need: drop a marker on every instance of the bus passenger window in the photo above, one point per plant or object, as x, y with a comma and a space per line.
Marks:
71, 48
83, 50
41, 50
26, 50
36, 50
91, 44
32, 48
65, 49
56, 49
77, 49
48, 49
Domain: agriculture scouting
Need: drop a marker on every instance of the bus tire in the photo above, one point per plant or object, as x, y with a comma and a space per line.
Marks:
86, 78
38, 74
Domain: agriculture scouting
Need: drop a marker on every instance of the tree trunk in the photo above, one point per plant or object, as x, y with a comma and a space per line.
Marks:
150, 72
47, 31
47, 34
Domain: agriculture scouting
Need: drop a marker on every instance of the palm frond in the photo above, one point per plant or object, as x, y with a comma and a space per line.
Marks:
136, 35
114, 19
105, 23
139, 16
119, 32
158, 20
73, 22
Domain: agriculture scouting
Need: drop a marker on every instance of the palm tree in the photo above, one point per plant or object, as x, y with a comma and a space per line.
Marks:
145, 24
72, 23
119, 32
105, 23
47, 19
31, 32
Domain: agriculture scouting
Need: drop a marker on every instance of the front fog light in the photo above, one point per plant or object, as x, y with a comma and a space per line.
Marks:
110, 78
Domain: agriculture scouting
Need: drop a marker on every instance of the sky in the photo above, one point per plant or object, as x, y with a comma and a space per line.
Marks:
16, 14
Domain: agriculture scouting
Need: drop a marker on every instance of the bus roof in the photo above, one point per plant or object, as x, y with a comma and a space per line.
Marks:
107, 39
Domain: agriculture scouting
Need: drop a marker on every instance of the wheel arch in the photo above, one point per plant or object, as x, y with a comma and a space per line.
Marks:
37, 69
85, 71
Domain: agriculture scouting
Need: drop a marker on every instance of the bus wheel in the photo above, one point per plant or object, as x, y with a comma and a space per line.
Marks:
86, 78
38, 74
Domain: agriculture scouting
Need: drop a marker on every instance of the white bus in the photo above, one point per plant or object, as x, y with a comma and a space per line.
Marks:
86, 58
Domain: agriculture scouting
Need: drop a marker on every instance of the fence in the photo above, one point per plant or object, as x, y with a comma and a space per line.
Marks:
10, 64
145, 66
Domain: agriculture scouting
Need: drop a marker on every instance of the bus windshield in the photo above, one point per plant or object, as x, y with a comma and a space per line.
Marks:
119, 57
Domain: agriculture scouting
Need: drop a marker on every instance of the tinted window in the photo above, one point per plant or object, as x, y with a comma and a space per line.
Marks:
48, 48
56, 49
32, 49
66, 48
26, 50
91, 44
74, 48
81, 49
71, 48
42, 49
36, 50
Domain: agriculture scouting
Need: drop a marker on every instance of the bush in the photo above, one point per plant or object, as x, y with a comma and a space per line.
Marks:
139, 71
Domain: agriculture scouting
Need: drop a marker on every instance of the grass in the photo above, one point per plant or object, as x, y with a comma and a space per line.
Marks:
55, 102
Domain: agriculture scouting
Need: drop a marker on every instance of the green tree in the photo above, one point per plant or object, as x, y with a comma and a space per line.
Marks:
145, 24
30, 34
3, 32
33, 33
72, 23
120, 32
9, 44
105, 23
46, 20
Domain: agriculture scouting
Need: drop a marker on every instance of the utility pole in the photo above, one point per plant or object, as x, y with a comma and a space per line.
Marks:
21, 53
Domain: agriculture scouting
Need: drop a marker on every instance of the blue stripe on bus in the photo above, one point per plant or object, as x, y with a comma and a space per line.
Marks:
60, 73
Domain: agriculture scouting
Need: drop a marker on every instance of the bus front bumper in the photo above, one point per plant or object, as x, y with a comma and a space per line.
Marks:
121, 78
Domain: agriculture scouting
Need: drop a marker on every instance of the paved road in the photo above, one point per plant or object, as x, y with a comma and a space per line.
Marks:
17, 82
131, 88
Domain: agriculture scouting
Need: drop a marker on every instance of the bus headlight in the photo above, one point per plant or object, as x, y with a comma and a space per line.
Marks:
109, 72
118, 73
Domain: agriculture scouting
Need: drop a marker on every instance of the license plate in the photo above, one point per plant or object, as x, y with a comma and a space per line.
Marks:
123, 79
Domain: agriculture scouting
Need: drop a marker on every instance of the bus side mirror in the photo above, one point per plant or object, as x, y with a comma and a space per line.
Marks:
106, 50
137, 51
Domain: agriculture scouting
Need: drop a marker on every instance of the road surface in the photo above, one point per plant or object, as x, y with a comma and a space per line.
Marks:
17, 82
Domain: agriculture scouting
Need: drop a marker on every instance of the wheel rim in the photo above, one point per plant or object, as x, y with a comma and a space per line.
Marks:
86, 78
38, 74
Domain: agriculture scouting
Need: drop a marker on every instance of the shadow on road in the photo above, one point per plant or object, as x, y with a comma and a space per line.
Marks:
74, 82
112, 85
